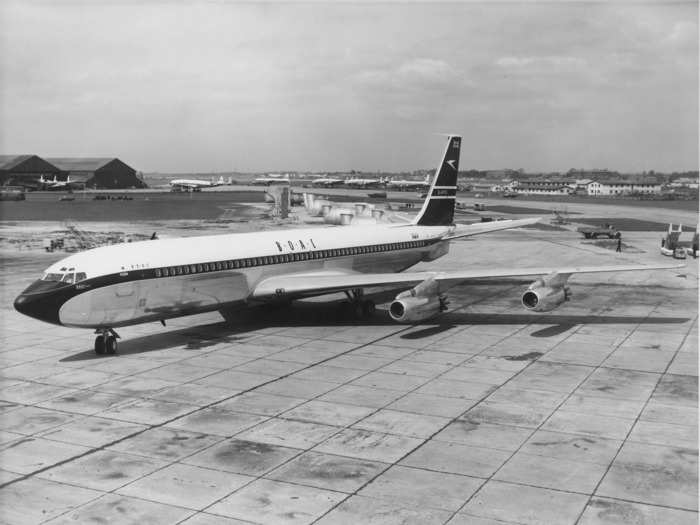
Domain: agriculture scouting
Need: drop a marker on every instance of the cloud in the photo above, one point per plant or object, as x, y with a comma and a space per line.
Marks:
541, 63
426, 68
206, 85
410, 74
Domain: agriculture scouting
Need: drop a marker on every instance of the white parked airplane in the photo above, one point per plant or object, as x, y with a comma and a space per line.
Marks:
56, 184
193, 184
404, 185
356, 182
125, 284
327, 182
271, 180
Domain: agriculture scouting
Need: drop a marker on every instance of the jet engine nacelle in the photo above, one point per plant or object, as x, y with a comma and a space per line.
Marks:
547, 293
419, 303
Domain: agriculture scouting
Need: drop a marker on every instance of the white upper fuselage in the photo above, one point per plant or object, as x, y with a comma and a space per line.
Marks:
202, 249
144, 281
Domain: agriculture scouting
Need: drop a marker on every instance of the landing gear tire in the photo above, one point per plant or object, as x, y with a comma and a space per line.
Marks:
111, 345
100, 345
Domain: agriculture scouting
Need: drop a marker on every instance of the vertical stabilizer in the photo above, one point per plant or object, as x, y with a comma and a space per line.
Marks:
439, 206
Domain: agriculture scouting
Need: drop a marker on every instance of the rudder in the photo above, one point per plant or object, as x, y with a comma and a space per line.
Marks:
439, 206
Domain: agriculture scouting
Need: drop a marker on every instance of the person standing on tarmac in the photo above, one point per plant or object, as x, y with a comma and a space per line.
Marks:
619, 244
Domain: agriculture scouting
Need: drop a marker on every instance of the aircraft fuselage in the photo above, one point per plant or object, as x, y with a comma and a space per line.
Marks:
145, 281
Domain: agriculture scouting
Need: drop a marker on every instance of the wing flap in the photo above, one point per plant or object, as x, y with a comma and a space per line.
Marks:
319, 283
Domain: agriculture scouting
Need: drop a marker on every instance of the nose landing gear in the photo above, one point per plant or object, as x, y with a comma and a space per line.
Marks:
106, 341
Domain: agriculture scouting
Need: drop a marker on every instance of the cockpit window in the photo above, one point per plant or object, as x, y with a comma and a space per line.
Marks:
68, 277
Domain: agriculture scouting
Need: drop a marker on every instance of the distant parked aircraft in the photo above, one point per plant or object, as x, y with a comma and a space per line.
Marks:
56, 184
191, 184
364, 183
271, 180
327, 182
406, 185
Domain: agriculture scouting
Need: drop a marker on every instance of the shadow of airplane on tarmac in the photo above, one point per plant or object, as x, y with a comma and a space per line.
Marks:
321, 314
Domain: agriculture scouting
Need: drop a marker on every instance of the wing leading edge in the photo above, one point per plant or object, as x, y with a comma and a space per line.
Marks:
319, 283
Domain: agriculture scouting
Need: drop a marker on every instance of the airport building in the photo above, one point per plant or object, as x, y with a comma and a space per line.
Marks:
27, 171
545, 187
620, 187
102, 173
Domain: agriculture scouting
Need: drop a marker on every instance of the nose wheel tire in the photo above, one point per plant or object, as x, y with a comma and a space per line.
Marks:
111, 345
100, 345
106, 343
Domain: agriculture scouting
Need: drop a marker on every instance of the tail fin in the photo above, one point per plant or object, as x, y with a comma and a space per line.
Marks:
439, 206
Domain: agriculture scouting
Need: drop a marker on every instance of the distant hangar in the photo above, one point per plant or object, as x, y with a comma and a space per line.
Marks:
102, 173
34, 172
26, 170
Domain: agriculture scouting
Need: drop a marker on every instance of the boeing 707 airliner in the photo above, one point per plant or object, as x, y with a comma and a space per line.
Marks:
126, 284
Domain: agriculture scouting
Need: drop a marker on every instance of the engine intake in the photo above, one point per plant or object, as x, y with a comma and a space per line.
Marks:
547, 293
419, 303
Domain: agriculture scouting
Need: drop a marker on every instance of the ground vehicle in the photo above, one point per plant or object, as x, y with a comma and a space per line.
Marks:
593, 232
677, 253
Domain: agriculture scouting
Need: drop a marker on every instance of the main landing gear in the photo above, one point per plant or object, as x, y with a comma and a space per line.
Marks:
358, 307
106, 341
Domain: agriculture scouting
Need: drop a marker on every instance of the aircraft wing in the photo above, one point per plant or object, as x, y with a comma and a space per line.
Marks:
323, 282
485, 227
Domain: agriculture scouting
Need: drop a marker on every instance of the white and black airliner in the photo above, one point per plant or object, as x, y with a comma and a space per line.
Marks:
120, 285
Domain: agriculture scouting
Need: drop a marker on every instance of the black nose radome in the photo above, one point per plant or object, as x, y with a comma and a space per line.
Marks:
41, 301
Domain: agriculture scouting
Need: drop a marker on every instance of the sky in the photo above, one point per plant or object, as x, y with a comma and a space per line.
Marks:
197, 86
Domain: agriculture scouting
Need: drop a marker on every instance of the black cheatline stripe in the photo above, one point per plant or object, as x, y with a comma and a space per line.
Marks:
70, 291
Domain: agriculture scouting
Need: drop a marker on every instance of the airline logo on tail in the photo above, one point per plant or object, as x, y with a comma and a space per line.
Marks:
438, 208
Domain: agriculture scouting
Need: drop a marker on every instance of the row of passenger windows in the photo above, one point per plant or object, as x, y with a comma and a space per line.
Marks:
283, 258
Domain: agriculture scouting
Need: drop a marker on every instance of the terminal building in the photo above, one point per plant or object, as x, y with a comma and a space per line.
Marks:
101, 173
27, 171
